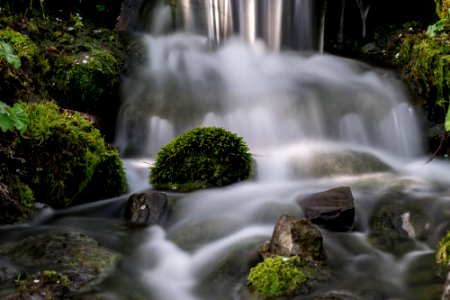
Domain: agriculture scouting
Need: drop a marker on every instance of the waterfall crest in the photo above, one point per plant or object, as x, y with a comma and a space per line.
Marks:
293, 24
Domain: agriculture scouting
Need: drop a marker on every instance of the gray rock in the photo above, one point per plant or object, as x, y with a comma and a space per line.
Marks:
293, 236
333, 209
146, 208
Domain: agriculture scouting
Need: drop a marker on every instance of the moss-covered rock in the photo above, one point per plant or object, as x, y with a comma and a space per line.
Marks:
276, 277
64, 159
201, 158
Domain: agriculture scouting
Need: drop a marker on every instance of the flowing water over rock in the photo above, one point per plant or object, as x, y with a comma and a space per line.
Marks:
296, 110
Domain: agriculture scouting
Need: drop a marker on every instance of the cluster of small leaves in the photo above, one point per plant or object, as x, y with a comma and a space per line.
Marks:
200, 158
276, 277
7, 52
13, 117
43, 285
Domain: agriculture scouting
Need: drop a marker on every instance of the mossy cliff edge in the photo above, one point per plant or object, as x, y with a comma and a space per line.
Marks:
59, 77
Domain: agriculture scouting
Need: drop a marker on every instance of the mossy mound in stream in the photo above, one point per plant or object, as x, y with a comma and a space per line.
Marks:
64, 159
201, 158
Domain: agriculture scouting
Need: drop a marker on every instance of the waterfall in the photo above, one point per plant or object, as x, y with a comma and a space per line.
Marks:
270, 98
294, 24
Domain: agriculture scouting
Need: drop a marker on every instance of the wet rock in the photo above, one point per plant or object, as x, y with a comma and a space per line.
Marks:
129, 16
333, 209
386, 230
346, 162
293, 236
73, 254
146, 208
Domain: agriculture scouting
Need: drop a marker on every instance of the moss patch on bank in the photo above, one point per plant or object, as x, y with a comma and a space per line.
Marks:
62, 158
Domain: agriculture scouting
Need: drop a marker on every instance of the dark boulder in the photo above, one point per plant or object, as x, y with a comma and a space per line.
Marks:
146, 208
333, 209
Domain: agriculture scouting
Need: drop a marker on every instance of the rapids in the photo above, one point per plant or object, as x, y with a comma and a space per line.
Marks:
288, 106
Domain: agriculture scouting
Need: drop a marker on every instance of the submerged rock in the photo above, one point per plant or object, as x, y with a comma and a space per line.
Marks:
146, 208
322, 164
293, 236
333, 209
73, 254
386, 230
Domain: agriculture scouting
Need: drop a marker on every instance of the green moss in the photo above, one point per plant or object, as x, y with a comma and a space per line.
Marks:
23, 45
276, 277
26, 195
425, 63
442, 7
443, 255
201, 158
88, 74
43, 285
68, 152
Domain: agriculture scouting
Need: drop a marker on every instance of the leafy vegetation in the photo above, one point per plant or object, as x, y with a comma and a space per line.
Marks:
276, 277
13, 117
7, 52
201, 158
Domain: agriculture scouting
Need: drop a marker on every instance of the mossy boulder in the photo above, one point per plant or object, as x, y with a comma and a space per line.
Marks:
64, 159
201, 158
277, 277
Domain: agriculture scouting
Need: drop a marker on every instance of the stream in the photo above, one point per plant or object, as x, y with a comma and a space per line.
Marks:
295, 110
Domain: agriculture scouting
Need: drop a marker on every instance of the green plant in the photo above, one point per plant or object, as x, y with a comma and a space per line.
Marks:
276, 277
201, 158
6, 51
77, 21
13, 117
443, 255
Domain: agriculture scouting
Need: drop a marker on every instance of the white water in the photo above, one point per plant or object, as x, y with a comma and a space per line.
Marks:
288, 107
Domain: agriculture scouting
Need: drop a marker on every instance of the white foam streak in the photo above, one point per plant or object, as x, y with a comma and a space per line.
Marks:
175, 272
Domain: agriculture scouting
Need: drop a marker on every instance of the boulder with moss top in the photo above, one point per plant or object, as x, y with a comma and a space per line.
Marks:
71, 162
201, 158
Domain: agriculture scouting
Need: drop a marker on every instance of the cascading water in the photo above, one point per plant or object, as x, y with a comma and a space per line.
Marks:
296, 110
288, 106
